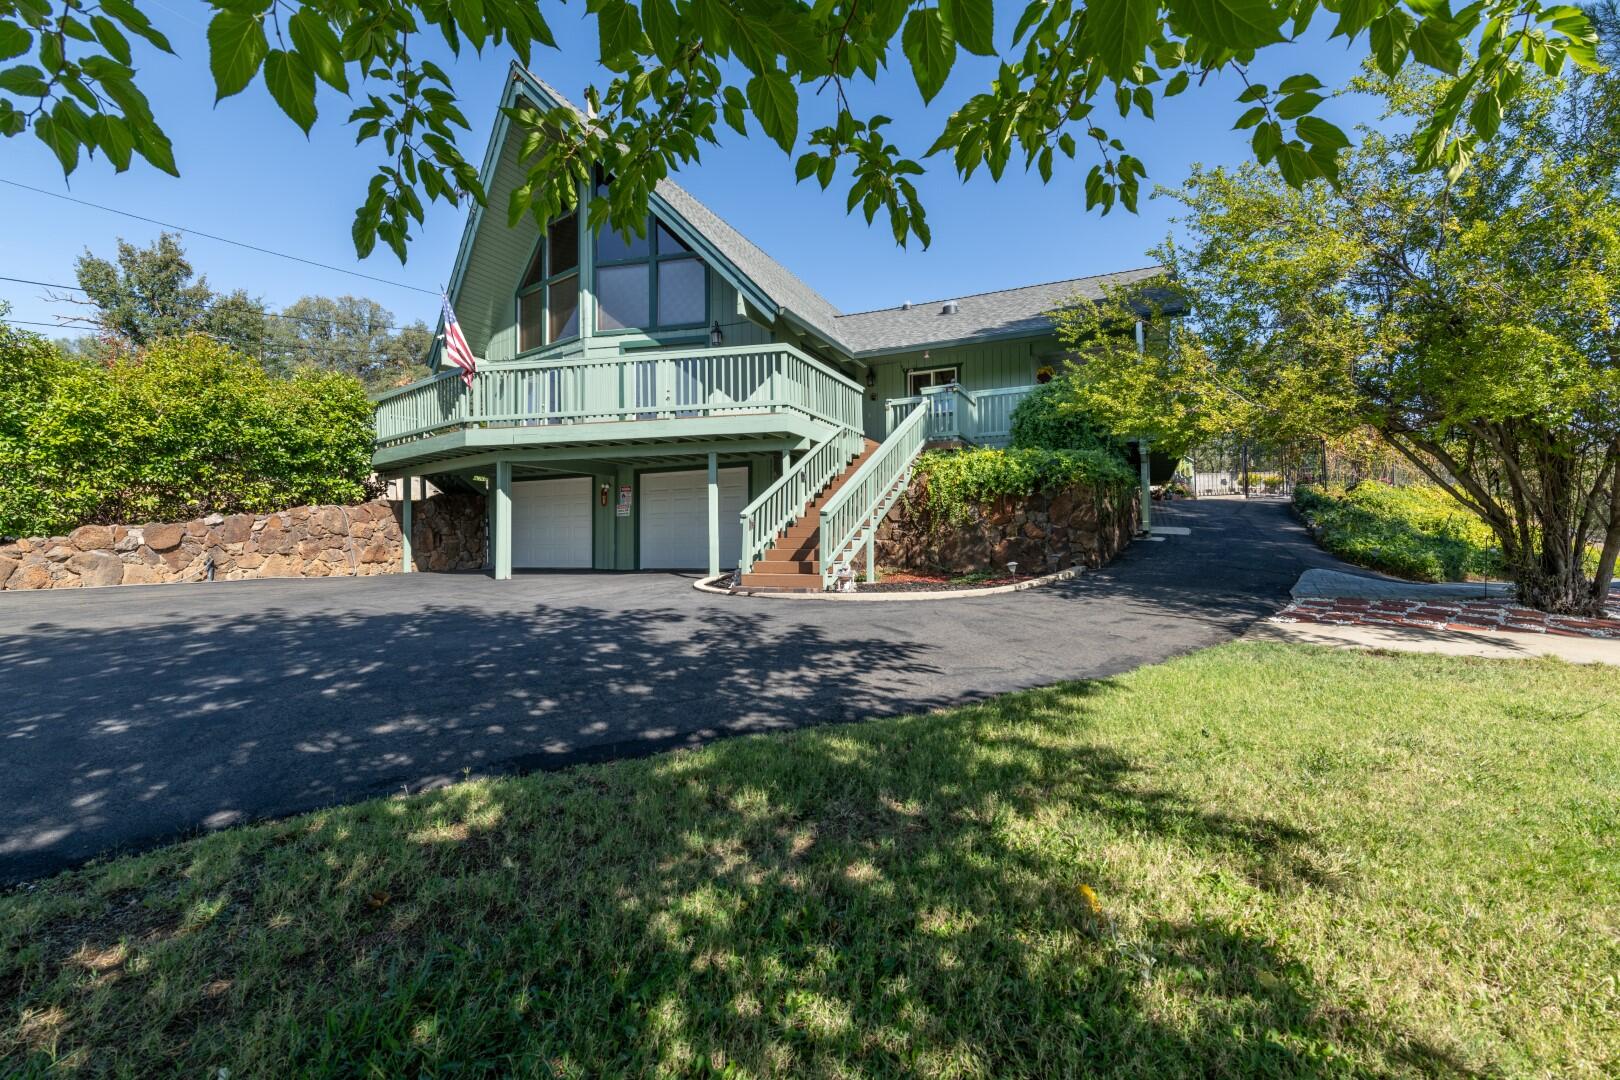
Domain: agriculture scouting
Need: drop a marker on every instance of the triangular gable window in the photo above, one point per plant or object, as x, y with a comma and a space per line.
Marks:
537, 269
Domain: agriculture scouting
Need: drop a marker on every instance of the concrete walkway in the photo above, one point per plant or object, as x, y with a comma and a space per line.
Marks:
1327, 611
1494, 645
1330, 583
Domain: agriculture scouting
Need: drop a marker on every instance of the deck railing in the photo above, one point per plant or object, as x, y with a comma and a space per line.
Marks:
782, 503
980, 417
637, 386
859, 506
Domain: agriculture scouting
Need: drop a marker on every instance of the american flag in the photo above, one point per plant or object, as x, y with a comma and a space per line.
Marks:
456, 349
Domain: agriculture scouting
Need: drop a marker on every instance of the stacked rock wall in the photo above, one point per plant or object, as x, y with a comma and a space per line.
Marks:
307, 541
1042, 533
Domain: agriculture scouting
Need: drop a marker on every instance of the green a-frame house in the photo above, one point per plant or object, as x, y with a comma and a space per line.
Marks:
685, 401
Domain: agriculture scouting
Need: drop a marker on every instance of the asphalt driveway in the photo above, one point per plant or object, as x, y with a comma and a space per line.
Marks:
135, 715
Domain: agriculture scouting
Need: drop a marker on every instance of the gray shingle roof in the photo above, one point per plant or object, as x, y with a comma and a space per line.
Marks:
1013, 312
1018, 312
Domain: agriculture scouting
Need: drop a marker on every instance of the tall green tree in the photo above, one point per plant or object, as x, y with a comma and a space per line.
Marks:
152, 292
350, 334
680, 69
1474, 324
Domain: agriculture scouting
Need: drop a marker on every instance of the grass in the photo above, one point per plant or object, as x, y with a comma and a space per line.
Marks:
1258, 860
1417, 532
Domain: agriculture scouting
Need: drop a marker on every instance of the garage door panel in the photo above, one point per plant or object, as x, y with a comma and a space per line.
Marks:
551, 524
675, 518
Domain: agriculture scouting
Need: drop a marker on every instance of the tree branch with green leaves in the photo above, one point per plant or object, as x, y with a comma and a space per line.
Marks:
677, 70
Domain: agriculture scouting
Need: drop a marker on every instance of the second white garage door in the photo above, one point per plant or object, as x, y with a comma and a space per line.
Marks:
551, 523
675, 519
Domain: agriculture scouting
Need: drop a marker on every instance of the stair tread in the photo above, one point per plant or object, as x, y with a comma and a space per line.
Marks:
800, 543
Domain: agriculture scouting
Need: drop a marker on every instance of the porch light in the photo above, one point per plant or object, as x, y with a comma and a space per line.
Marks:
717, 336
871, 378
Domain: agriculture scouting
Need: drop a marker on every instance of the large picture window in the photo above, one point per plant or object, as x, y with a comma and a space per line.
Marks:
548, 295
650, 282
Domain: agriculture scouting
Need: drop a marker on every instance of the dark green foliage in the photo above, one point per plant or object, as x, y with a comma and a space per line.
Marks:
1415, 532
183, 428
1050, 419
959, 477
675, 72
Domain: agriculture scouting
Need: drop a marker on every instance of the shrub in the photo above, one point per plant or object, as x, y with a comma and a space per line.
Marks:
1416, 532
1049, 419
960, 477
186, 427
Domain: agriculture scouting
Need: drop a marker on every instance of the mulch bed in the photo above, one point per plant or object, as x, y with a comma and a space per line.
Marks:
1475, 615
906, 581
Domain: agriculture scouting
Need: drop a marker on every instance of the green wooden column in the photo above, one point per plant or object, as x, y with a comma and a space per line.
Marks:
501, 542
406, 484
714, 513
1142, 449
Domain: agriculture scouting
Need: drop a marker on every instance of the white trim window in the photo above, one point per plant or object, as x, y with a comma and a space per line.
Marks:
928, 378
548, 295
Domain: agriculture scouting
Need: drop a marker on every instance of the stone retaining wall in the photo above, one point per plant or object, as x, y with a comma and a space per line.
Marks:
306, 541
1042, 533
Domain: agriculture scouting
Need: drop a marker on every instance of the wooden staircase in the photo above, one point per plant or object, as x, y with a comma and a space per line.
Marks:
793, 563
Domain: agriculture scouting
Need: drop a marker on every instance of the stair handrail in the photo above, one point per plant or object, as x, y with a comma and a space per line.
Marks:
779, 505
853, 503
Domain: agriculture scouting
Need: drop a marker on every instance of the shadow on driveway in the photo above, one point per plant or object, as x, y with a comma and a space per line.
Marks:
132, 716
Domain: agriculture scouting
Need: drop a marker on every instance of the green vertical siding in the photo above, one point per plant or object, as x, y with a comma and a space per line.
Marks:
499, 255
485, 303
987, 366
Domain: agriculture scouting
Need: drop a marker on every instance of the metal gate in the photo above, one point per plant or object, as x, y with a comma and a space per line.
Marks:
1252, 468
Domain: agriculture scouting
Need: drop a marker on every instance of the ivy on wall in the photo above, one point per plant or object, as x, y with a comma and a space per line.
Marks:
957, 479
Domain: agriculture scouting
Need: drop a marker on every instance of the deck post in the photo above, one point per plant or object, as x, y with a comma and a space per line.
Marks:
714, 513
787, 461
501, 542
407, 484
1142, 449
871, 553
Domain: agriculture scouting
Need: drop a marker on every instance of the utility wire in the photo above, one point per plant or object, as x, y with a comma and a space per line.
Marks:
207, 308
93, 322
221, 239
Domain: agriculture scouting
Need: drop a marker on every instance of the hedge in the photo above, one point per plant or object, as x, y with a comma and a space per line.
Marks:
184, 428
1048, 419
957, 478
1416, 532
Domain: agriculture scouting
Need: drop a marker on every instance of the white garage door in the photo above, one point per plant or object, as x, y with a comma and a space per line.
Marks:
675, 519
551, 523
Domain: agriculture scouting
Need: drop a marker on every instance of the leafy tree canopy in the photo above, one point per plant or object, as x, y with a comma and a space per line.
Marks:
1473, 324
148, 294
679, 69
185, 426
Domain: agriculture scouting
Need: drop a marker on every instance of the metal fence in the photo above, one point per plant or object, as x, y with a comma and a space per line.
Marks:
1250, 468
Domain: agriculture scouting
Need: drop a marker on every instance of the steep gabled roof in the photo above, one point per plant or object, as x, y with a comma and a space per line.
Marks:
1018, 312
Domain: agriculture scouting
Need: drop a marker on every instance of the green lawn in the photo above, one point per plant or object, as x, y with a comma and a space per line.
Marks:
1304, 862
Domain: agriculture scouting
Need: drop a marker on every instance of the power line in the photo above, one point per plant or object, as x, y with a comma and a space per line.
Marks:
205, 308
92, 322
221, 239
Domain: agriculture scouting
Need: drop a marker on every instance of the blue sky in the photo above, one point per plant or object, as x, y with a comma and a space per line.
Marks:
247, 173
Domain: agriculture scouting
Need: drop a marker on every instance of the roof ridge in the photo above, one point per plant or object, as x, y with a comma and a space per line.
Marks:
995, 292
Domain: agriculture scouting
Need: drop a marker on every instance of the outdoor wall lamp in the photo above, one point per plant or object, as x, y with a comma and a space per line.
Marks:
871, 377
717, 336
